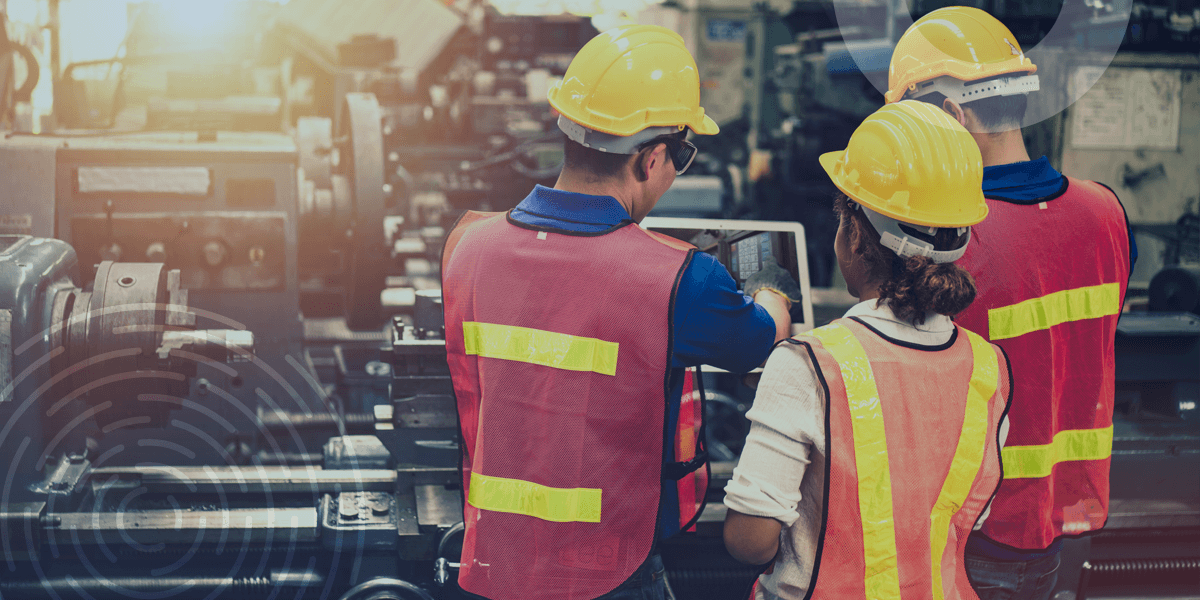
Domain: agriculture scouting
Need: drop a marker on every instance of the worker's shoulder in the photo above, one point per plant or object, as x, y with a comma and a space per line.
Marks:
1093, 188
472, 217
665, 240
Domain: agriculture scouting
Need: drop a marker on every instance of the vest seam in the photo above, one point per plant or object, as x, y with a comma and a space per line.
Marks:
462, 439
999, 444
922, 347
668, 444
1128, 250
812, 584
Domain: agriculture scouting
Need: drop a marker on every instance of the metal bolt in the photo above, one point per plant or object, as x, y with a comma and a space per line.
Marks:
202, 386
379, 506
378, 368
257, 254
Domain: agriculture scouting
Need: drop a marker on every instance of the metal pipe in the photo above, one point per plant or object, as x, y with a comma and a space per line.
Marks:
276, 421
55, 26
182, 586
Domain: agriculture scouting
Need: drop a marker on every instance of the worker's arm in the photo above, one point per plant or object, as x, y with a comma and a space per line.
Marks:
777, 306
752, 540
715, 323
787, 421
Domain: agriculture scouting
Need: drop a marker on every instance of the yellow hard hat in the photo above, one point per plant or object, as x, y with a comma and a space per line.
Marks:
631, 78
912, 162
959, 42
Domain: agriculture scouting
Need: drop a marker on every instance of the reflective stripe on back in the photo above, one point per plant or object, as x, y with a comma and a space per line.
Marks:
871, 461
561, 505
968, 455
1068, 445
539, 347
1052, 309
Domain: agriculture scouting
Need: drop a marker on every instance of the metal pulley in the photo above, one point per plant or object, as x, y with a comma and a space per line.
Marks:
361, 161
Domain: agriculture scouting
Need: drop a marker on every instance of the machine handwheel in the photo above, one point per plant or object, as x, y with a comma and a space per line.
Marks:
361, 161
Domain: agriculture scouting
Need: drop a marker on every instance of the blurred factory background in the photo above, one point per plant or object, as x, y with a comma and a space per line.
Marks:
277, 177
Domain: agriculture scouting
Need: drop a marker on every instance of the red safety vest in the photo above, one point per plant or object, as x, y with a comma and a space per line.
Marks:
913, 458
1051, 279
559, 351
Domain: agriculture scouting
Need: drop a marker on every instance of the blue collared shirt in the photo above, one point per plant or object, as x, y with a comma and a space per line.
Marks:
1030, 182
714, 323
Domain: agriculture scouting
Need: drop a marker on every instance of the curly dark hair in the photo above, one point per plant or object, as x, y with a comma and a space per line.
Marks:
915, 285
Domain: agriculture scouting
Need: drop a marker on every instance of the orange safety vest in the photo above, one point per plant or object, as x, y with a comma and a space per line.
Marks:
1051, 277
913, 459
560, 366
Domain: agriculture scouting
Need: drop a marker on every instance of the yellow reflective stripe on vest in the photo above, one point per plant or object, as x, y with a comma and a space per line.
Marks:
561, 505
1050, 310
545, 348
968, 455
1023, 462
871, 460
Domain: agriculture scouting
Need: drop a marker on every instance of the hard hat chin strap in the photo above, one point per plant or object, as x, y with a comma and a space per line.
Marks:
904, 245
965, 91
613, 144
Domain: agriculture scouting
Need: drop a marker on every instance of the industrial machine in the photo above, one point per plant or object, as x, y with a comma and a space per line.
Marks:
222, 365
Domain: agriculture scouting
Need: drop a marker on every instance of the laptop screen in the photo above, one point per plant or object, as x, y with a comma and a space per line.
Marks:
744, 247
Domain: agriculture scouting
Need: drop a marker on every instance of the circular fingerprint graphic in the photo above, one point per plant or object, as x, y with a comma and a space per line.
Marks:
1071, 57
129, 468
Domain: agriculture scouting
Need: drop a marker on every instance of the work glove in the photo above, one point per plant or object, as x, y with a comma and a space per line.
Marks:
775, 278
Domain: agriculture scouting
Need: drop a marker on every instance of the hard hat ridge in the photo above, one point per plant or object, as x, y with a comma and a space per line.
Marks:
952, 49
913, 163
629, 79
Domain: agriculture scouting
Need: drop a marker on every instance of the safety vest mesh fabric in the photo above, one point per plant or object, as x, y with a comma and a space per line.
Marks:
913, 460
1051, 279
558, 347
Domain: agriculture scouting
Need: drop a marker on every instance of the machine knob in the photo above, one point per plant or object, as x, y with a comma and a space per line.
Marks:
156, 252
215, 253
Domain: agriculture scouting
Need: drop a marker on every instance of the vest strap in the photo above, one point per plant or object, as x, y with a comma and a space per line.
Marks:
678, 470
561, 505
968, 455
540, 347
870, 458
1021, 462
1078, 304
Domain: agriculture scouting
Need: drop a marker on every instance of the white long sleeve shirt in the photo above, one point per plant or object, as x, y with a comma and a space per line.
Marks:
781, 472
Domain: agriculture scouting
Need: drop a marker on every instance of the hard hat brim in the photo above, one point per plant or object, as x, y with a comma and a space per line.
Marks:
706, 126
959, 70
829, 162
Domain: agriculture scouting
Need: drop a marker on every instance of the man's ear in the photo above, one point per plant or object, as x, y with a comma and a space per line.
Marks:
644, 162
955, 110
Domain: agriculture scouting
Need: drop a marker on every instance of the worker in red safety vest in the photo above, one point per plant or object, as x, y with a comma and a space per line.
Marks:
568, 332
875, 440
1051, 264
